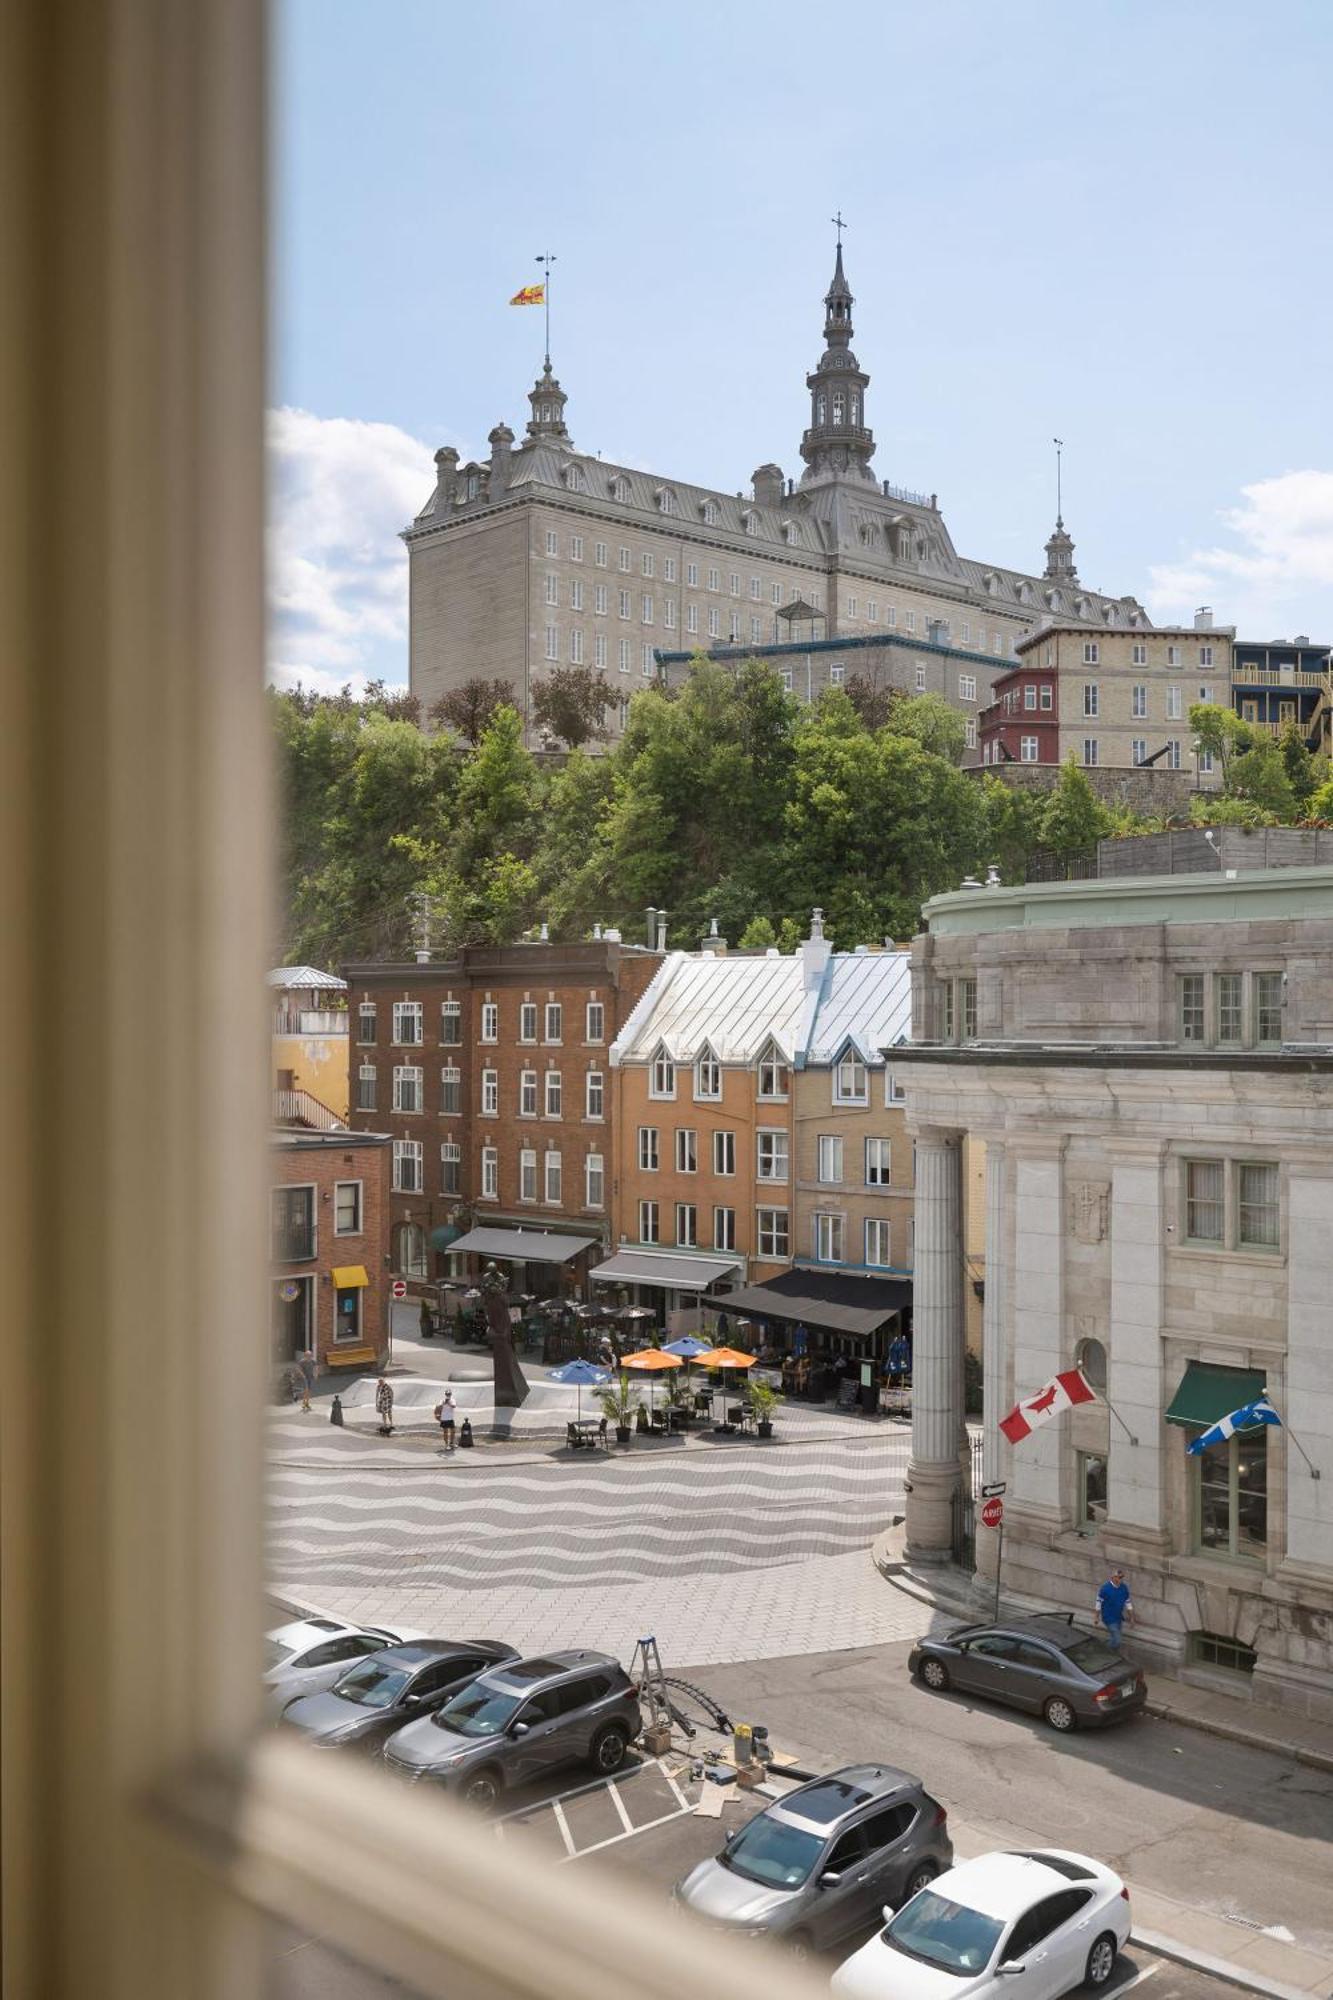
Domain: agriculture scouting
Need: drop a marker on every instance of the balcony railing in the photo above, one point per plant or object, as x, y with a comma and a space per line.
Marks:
1275, 677
311, 1021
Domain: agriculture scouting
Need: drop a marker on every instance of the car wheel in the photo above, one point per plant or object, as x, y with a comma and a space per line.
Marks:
1101, 1962
920, 1878
800, 1947
935, 1675
608, 1752
1060, 1714
481, 1790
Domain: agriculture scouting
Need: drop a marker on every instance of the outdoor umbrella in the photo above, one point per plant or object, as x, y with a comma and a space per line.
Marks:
727, 1357
580, 1372
688, 1348
652, 1360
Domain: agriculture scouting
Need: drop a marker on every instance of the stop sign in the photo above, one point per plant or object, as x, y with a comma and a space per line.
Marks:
399, 1288
992, 1513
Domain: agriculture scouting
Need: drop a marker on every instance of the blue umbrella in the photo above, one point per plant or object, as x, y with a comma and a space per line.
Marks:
687, 1347
580, 1372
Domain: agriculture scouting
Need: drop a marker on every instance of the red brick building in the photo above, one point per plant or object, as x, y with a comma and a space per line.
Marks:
1022, 723
491, 1074
329, 1244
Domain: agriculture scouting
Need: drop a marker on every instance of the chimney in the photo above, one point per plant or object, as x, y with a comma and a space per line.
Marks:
501, 441
446, 479
652, 926
596, 933
815, 953
1203, 618
423, 958
713, 944
767, 483
661, 930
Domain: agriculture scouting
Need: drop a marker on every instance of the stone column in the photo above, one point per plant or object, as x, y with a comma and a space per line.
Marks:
994, 1394
937, 1339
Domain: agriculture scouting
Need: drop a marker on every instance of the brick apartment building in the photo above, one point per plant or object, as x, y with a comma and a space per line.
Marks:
329, 1241
490, 1072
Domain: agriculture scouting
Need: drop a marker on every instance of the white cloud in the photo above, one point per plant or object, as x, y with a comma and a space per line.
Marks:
1275, 576
337, 573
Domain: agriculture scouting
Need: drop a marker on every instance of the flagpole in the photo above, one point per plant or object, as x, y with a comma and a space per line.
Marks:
1120, 1420
1310, 1466
546, 260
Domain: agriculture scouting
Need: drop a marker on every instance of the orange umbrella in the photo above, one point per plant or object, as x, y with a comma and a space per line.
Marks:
726, 1357
651, 1358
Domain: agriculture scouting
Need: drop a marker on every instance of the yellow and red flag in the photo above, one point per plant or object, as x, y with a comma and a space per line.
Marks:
531, 295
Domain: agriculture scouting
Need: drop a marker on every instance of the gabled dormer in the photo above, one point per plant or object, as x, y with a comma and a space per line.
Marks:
707, 1075
774, 1074
662, 1073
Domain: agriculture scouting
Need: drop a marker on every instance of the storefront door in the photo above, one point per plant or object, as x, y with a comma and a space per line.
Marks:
293, 1325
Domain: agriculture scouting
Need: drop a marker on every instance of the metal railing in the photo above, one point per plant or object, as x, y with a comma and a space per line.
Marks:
311, 1021
298, 1107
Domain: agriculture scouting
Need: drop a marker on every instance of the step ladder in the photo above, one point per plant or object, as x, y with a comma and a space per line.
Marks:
646, 1669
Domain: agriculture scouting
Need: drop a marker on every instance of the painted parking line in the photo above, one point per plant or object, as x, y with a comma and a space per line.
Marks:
579, 1816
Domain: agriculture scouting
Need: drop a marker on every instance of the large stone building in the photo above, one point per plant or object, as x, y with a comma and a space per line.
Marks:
543, 555
1148, 1059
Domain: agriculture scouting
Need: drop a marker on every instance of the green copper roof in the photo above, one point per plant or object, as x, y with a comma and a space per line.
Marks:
1258, 897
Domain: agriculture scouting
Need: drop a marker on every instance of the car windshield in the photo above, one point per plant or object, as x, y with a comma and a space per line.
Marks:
371, 1685
771, 1852
275, 1652
481, 1711
945, 1934
1091, 1655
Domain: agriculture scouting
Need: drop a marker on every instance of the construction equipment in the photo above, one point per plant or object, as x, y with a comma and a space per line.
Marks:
647, 1672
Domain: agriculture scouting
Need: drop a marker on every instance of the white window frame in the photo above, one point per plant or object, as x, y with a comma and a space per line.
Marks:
772, 1234
489, 1030
662, 1077
356, 1228
829, 1159
687, 1225
407, 1153
724, 1228
707, 1078
594, 1021
594, 1181
772, 1066
687, 1150
527, 1173
830, 1237
594, 1096
451, 1016
553, 1178
407, 1017
772, 1154
724, 1154
490, 1173
527, 1021
409, 1089
650, 1221
851, 1080
878, 1243
490, 1093
527, 1093
650, 1149
878, 1164
451, 1156
554, 1022
553, 1094
367, 1087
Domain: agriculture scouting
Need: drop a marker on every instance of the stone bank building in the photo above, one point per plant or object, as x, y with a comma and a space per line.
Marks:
1148, 1059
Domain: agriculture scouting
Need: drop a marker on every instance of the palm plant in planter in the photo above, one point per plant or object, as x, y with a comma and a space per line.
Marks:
620, 1406
763, 1399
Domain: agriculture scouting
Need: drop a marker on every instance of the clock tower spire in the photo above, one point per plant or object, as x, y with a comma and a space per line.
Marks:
839, 442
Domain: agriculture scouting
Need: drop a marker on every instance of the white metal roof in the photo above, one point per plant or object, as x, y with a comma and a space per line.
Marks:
735, 1005
865, 999
294, 977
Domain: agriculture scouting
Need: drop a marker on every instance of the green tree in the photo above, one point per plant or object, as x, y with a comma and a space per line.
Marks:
1258, 774
1298, 764
570, 861
935, 723
571, 703
758, 935
1013, 825
1219, 732
872, 698
1073, 815
470, 708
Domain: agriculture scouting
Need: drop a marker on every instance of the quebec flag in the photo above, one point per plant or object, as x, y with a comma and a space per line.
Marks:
1261, 1411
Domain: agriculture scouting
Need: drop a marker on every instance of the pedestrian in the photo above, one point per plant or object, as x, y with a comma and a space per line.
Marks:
306, 1364
1114, 1605
427, 1321
445, 1414
384, 1404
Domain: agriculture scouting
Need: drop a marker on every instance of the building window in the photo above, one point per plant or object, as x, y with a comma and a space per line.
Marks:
624, 561
451, 1167
879, 1244
772, 1077
1090, 1492
894, 1090
837, 674
1205, 656
409, 1240
724, 1152
576, 541
829, 1234
554, 1178
407, 1091
451, 1024
527, 1021
1091, 698
1030, 697
1231, 1497
669, 569
527, 1174
1138, 749
554, 1021
774, 1241
830, 1161
1228, 990
920, 678
594, 1181
687, 1225
772, 1154
554, 1093
490, 1021
1268, 988
647, 611
1205, 1201
552, 590
647, 565
292, 1236
691, 618
1173, 704
594, 1095
1090, 750
1090, 654
599, 554
1257, 1205
1192, 1023
708, 1076
960, 1010
365, 1022
1047, 698
347, 1208
407, 1022
407, 1166
648, 1149
669, 615
786, 677
1138, 654
879, 1162
594, 1022
576, 646
849, 1082
1173, 656
624, 604
552, 542
851, 607
1211, 1649
967, 687
649, 1225
527, 1093
553, 642
1139, 702
1027, 749
714, 582
599, 600
663, 1076
692, 575
365, 1087
490, 1173
724, 1229
490, 1093
714, 623
623, 656
687, 1151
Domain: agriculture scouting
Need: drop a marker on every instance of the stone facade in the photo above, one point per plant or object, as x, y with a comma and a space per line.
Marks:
1149, 1062
519, 562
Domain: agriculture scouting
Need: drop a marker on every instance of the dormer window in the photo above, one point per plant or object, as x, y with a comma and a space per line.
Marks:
710, 513
663, 1082
473, 485
849, 1081
707, 1076
574, 479
619, 488
666, 502
751, 521
789, 532
773, 1076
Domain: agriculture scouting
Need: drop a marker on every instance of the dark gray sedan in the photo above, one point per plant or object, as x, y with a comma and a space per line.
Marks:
1046, 1665
816, 1868
391, 1688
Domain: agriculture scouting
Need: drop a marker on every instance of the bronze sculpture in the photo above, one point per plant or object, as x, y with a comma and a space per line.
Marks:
510, 1383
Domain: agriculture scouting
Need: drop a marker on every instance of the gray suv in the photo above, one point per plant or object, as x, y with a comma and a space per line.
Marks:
519, 1722
818, 1867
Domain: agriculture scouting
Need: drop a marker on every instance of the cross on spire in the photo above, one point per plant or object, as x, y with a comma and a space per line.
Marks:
839, 225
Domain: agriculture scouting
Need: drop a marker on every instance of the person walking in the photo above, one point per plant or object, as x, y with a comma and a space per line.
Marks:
306, 1363
1114, 1605
384, 1404
446, 1413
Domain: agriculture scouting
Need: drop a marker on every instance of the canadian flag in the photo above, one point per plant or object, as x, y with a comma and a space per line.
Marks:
1061, 1393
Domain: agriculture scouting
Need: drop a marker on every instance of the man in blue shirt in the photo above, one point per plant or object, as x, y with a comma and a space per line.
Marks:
1114, 1605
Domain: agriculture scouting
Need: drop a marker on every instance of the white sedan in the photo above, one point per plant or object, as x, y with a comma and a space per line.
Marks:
1027, 1926
308, 1654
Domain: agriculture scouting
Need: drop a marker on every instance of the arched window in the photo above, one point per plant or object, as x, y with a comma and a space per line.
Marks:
409, 1250
856, 406
1090, 1356
839, 407
821, 407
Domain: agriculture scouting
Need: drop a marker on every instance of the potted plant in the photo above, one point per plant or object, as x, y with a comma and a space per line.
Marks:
620, 1405
763, 1399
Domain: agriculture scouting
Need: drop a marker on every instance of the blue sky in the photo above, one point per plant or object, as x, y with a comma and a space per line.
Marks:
1104, 221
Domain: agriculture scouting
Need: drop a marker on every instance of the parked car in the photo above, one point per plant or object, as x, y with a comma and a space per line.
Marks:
305, 1655
1026, 1926
815, 1868
391, 1687
1047, 1665
520, 1721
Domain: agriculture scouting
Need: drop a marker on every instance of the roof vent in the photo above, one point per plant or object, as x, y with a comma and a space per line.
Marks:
993, 877
772, 952
610, 936
970, 882
597, 933
544, 935
862, 951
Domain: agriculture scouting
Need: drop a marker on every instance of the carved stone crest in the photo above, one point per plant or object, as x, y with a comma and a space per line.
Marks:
1090, 1211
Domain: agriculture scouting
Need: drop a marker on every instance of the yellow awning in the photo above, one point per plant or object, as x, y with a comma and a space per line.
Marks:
347, 1277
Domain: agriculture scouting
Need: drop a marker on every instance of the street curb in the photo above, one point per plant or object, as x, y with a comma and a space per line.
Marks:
1218, 1968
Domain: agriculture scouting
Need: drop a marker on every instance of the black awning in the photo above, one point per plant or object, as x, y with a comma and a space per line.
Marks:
833, 1301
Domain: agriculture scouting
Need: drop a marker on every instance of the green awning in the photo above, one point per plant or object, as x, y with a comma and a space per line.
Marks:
1207, 1392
